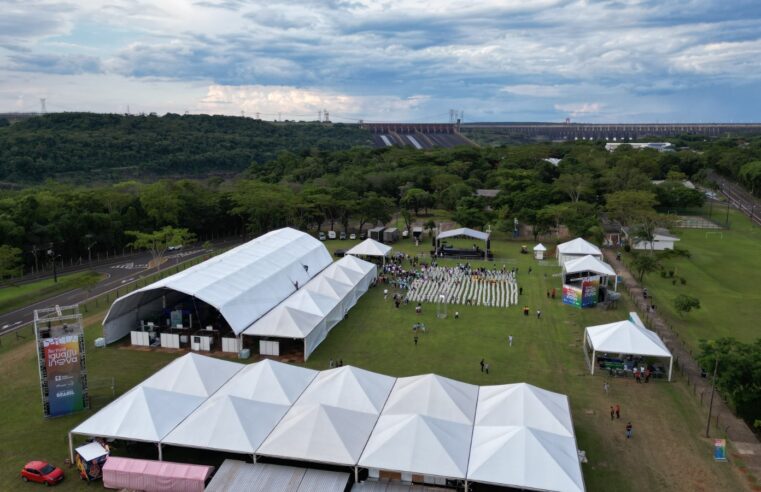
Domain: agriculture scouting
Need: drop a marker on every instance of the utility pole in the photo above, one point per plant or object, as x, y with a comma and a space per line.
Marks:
713, 389
34, 252
51, 253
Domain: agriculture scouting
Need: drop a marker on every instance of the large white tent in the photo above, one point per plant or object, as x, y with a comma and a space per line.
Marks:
523, 437
149, 411
425, 428
239, 416
333, 418
370, 247
242, 284
312, 311
575, 249
624, 337
588, 266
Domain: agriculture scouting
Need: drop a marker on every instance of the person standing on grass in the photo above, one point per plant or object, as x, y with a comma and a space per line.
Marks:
629, 430
612, 413
510, 340
538, 314
486, 368
415, 339
618, 411
385, 294
605, 388
482, 365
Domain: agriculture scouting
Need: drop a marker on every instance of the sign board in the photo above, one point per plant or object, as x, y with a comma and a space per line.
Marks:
176, 317
572, 295
63, 374
720, 450
589, 292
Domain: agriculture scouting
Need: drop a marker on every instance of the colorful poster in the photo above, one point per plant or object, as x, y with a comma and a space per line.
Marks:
720, 450
572, 295
63, 368
589, 289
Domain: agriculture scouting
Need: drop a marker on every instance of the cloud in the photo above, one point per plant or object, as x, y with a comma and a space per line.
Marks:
58, 64
579, 109
534, 90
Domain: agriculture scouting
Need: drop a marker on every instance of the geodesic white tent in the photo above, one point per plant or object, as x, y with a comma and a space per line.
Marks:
523, 437
425, 428
242, 284
333, 418
312, 311
239, 416
575, 249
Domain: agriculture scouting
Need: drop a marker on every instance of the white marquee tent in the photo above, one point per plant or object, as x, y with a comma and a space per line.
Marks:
239, 416
242, 284
588, 266
425, 428
333, 418
370, 247
523, 437
624, 337
576, 249
312, 311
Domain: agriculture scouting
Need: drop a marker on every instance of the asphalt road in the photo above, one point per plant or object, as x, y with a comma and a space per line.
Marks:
117, 274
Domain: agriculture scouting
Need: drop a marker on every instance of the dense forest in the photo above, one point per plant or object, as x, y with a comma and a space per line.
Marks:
82, 147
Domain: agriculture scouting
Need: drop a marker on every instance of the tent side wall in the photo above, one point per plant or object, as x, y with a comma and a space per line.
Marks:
130, 310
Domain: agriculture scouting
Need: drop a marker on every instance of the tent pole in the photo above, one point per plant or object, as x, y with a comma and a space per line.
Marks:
356, 474
671, 364
592, 362
254, 457
161, 457
466, 485
71, 449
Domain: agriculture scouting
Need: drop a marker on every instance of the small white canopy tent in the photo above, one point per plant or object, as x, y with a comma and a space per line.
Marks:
539, 251
333, 418
150, 410
242, 284
624, 337
239, 416
313, 310
575, 249
370, 247
425, 428
588, 266
523, 437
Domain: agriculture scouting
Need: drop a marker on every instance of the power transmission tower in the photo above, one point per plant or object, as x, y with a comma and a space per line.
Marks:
42, 105
327, 116
319, 115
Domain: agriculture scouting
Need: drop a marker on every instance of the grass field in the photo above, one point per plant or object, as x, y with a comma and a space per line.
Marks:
667, 452
15, 296
724, 272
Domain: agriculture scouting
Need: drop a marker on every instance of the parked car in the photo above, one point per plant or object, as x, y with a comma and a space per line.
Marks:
321, 236
342, 236
331, 234
175, 247
352, 236
41, 472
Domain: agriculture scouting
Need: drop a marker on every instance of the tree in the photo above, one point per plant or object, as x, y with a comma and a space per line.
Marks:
10, 261
628, 206
373, 208
158, 242
684, 304
574, 185
470, 212
415, 199
750, 174
643, 264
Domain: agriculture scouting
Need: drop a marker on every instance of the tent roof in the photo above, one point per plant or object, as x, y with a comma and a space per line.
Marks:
464, 231
333, 418
91, 451
540, 247
369, 247
523, 437
626, 337
588, 263
425, 427
579, 246
149, 411
243, 283
302, 312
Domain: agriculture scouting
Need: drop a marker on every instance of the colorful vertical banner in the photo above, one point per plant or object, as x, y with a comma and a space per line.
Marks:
572, 296
720, 450
589, 292
63, 374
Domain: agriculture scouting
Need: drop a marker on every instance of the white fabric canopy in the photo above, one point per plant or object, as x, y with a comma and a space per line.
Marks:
588, 263
523, 437
575, 249
464, 231
540, 247
370, 247
239, 416
333, 418
149, 411
425, 428
91, 451
312, 311
243, 283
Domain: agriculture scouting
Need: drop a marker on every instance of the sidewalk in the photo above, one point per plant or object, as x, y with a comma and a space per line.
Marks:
723, 422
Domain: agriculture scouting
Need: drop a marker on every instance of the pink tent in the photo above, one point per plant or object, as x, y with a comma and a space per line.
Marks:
127, 473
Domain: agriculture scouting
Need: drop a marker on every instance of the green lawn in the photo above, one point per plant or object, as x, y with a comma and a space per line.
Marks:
15, 296
667, 452
724, 272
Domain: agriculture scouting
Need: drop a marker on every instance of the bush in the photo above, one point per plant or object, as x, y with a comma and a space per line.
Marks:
682, 280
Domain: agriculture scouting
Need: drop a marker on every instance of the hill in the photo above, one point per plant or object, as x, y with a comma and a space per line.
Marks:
88, 146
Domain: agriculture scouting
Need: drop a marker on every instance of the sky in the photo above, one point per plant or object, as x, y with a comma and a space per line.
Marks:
379, 60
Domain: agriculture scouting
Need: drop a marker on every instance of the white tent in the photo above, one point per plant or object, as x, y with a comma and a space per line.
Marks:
239, 416
539, 250
575, 249
149, 411
333, 418
523, 437
242, 284
624, 337
425, 428
370, 247
588, 264
312, 311
464, 231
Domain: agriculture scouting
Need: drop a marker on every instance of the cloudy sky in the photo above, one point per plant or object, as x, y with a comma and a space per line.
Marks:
383, 60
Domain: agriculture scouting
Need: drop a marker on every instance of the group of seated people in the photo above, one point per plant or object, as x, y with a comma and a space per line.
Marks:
633, 365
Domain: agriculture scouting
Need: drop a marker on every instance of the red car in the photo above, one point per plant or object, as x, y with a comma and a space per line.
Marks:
41, 472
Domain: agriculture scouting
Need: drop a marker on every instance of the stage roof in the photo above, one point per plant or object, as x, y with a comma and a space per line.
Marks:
464, 231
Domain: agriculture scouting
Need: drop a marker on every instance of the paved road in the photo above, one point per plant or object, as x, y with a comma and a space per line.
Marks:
118, 274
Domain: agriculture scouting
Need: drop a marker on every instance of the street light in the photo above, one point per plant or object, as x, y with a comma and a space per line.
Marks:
53, 257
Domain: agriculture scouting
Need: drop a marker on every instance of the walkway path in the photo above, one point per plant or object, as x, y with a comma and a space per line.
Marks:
744, 441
